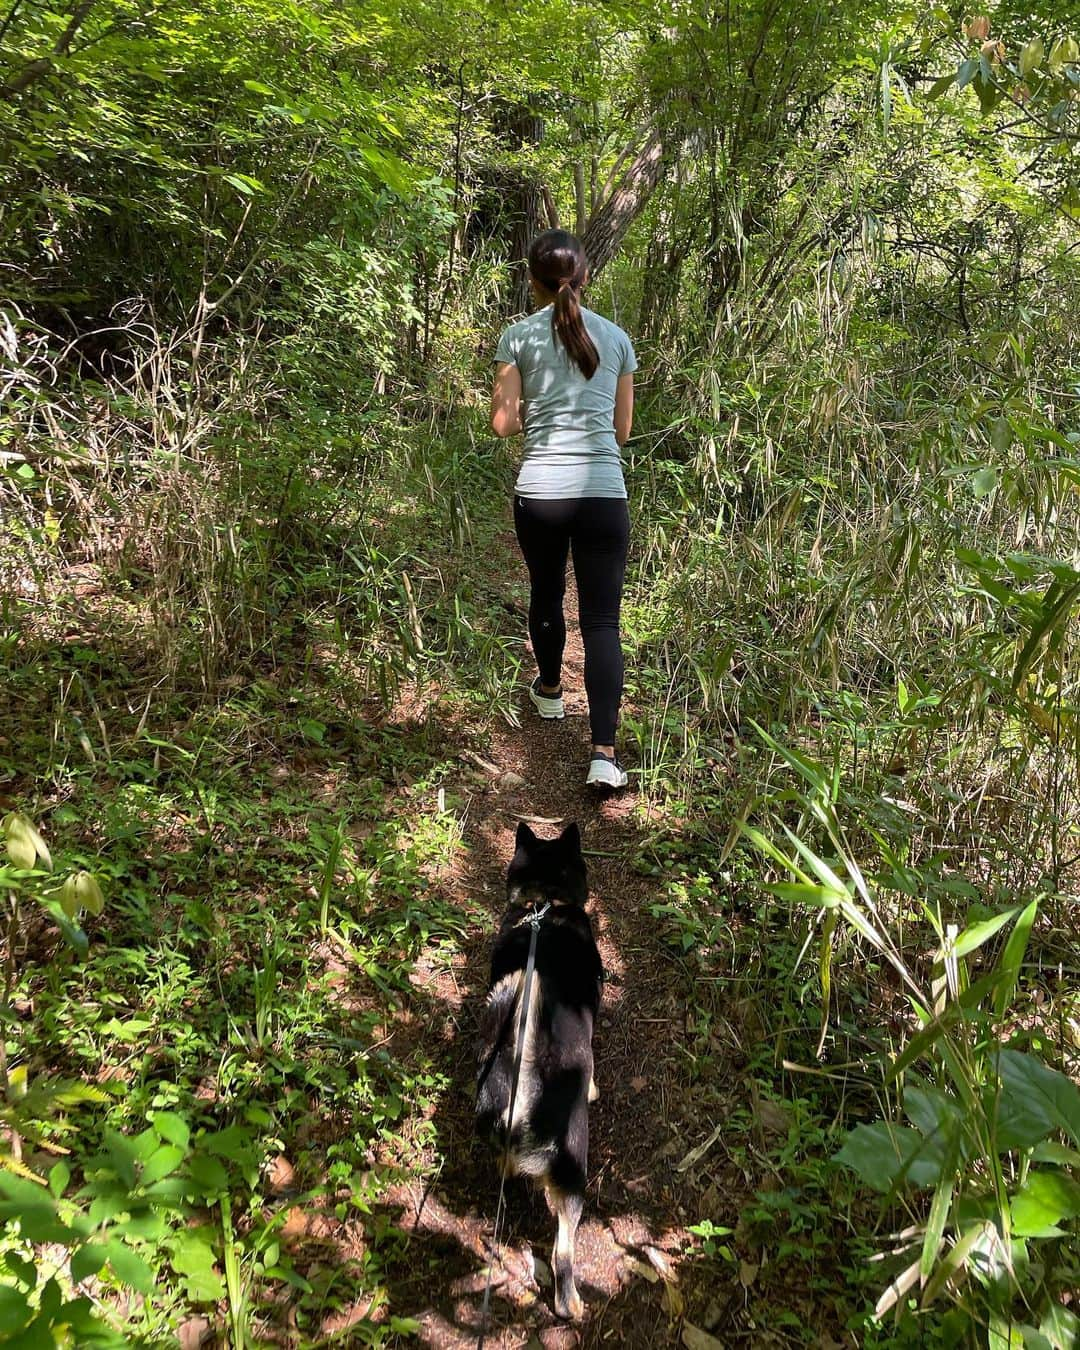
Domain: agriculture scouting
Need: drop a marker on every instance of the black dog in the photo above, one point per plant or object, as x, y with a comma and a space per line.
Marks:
548, 1138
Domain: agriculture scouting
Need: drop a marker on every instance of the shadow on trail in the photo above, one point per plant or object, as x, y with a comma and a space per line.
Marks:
631, 1234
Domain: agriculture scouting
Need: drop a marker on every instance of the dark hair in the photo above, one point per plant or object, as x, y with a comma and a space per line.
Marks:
558, 262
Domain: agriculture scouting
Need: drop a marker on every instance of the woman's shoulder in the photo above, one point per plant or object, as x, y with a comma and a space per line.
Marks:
522, 335
607, 326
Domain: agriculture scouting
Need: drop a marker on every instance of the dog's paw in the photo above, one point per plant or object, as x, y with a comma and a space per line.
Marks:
571, 1307
594, 1091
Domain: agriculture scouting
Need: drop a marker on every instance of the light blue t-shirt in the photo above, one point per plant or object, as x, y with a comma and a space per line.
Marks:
570, 445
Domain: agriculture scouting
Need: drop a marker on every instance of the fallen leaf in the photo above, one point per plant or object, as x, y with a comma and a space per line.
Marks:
696, 1339
639, 1084
747, 1273
696, 1154
193, 1332
640, 1268
661, 1264
280, 1174
671, 1300
770, 1117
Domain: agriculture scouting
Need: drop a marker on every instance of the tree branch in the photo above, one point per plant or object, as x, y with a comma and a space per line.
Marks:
43, 64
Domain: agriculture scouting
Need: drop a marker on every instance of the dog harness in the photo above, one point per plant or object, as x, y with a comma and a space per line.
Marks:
533, 919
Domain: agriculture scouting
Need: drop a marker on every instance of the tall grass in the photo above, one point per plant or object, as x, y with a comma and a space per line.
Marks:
854, 622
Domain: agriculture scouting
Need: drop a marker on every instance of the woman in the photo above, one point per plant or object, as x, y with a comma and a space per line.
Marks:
564, 375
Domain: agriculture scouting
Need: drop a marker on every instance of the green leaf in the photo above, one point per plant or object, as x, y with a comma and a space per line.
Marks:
21, 1269
72, 934
1042, 1203
21, 851
208, 1175
388, 169
145, 1221
38, 1223
884, 1155
1061, 1327
1031, 57
1055, 607
1001, 434
797, 893
129, 1268
59, 1176
66, 897
1034, 1101
24, 843
88, 1260
161, 1163
1012, 958
886, 98
122, 1156
933, 1112
290, 1276
15, 1311
171, 1127
1003, 1334
940, 86
936, 1220
971, 939
990, 95
235, 1143
966, 72
244, 183
88, 893
193, 1258
1050, 1151
1064, 52
985, 481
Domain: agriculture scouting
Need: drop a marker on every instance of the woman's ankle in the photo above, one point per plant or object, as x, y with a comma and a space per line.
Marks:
608, 750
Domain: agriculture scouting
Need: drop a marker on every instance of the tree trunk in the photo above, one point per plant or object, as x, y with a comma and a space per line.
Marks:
610, 222
581, 213
523, 200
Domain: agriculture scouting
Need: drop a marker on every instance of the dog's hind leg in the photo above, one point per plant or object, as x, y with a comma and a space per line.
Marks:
567, 1206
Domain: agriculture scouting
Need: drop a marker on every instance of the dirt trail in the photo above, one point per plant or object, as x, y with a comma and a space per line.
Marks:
632, 1234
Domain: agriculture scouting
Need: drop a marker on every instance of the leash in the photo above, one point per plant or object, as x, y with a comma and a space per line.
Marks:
533, 920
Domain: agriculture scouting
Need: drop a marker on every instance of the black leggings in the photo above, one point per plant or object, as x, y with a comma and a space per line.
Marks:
597, 529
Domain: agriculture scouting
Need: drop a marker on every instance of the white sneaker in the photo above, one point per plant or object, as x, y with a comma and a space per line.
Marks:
605, 771
550, 708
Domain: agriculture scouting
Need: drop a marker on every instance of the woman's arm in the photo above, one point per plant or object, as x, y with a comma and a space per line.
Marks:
506, 408
624, 408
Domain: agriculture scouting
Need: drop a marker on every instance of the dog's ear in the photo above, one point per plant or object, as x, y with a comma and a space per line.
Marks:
524, 837
571, 838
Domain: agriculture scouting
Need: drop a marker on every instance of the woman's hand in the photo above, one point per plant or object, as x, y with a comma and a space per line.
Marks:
506, 408
624, 408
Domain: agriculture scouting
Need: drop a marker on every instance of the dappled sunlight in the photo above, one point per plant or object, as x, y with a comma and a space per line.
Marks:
265, 729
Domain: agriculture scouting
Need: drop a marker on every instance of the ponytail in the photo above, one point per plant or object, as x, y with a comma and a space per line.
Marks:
557, 261
569, 328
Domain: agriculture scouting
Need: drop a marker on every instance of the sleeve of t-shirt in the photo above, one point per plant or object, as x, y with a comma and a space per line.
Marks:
628, 362
506, 351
